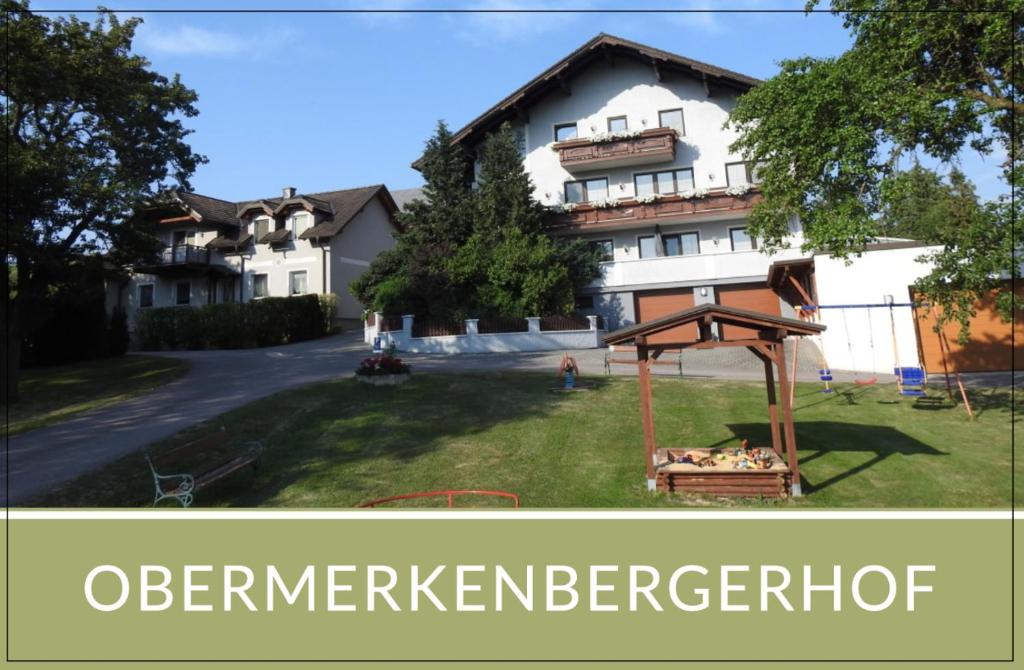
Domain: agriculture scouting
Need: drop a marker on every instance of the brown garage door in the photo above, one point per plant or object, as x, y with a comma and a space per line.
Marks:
990, 346
653, 304
755, 297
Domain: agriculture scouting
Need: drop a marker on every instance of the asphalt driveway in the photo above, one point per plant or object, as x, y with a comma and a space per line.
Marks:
218, 381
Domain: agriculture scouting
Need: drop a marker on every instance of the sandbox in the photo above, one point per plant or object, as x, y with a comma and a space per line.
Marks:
721, 476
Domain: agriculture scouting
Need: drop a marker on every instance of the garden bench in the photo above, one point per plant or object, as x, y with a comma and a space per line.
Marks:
207, 459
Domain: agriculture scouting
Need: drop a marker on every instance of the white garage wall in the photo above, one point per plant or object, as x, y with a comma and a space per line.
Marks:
867, 280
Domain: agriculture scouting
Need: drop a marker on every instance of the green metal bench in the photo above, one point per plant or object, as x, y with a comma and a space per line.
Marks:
208, 465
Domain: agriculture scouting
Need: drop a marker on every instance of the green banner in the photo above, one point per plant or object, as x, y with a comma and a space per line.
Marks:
513, 587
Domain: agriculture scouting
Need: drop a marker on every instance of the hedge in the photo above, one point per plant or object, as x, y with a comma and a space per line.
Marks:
260, 323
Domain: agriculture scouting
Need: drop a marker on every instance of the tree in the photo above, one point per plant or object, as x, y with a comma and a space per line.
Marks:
471, 252
827, 135
413, 278
91, 134
920, 205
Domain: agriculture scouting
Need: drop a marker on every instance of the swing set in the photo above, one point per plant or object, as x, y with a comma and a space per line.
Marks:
910, 381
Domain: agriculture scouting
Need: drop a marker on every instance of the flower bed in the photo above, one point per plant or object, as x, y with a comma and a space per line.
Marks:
383, 370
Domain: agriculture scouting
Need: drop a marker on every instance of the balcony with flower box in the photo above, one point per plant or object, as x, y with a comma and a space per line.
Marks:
655, 145
653, 209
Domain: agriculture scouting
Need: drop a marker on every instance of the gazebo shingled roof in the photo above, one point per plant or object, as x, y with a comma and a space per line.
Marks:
714, 313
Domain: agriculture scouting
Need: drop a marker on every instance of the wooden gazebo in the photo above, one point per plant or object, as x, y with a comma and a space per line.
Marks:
711, 326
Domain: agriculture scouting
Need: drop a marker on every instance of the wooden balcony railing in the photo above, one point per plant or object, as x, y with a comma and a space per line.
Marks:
656, 145
669, 208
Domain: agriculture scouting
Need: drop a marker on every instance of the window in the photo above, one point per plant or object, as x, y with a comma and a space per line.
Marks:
664, 183
681, 244
145, 295
740, 240
584, 302
183, 293
644, 184
607, 248
300, 224
586, 191
297, 282
672, 118
260, 287
736, 174
648, 246
261, 228
565, 131
617, 124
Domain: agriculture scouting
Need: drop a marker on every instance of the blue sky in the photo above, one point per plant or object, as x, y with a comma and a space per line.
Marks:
326, 101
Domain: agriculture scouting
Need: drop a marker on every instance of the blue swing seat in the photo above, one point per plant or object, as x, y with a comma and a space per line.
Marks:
908, 379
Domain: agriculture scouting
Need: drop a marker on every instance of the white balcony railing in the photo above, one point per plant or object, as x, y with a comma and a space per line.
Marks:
698, 267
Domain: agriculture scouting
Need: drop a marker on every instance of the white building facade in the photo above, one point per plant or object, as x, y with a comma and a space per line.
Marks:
627, 147
217, 251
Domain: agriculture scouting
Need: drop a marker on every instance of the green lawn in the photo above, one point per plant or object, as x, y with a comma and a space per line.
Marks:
50, 395
339, 443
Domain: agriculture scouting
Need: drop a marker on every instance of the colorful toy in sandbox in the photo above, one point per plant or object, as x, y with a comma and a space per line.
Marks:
745, 470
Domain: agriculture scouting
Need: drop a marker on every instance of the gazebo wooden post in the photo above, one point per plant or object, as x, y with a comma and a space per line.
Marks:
773, 409
646, 409
779, 353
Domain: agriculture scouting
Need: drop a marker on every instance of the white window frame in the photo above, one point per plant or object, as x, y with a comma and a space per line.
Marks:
152, 296
292, 221
254, 276
291, 274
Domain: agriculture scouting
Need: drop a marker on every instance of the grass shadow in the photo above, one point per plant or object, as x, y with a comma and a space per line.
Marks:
822, 438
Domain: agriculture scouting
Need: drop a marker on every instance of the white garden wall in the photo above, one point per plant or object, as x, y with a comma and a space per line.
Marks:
474, 343
847, 343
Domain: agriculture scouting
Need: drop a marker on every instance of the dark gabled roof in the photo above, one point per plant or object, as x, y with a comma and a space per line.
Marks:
602, 45
306, 202
718, 313
339, 207
276, 236
229, 242
211, 210
265, 205
346, 204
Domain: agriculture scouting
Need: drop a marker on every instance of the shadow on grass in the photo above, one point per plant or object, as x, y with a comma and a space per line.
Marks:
332, 443
826, 437
398, 425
